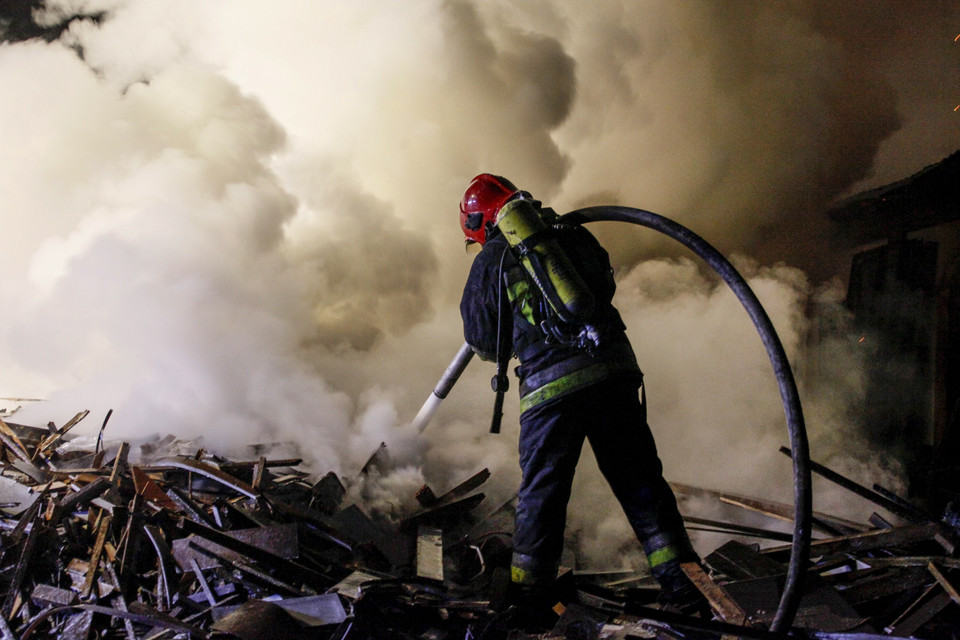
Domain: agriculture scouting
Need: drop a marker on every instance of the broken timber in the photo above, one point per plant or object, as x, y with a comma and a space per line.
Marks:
170, 544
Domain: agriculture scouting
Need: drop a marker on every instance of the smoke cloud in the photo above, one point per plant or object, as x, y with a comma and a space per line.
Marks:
236, 220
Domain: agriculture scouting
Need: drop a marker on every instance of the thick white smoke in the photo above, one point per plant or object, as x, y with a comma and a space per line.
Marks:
713, 402
237, 220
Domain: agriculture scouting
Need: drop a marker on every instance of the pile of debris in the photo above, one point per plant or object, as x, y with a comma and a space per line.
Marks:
198, 546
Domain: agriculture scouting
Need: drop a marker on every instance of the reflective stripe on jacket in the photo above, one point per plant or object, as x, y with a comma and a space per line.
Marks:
575, 373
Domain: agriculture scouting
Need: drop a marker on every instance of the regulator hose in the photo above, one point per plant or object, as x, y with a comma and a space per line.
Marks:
800, 546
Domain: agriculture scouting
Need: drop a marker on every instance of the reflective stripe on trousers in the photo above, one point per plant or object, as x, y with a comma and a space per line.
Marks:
611, 416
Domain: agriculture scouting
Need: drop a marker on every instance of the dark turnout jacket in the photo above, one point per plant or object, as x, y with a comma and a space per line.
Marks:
548, 370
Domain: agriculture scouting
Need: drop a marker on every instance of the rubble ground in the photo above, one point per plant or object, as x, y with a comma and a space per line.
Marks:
194, 545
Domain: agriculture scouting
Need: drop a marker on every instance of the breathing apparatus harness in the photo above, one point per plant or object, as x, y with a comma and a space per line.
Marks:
561, 305
565, 305
500, 383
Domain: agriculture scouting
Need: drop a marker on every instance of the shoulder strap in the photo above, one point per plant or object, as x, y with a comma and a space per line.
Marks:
500, 382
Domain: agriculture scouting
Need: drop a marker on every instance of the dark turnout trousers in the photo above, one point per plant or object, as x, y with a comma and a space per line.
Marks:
612, 416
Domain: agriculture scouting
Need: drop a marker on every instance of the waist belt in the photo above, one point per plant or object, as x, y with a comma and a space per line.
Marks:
575, 373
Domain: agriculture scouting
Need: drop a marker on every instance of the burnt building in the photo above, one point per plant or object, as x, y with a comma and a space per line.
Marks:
904, 294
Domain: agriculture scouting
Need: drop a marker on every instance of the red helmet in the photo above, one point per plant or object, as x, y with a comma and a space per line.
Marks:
481, 202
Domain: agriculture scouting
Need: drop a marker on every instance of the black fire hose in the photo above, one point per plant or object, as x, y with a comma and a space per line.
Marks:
800, 547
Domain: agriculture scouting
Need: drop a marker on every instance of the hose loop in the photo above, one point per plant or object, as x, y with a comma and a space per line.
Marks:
800, 546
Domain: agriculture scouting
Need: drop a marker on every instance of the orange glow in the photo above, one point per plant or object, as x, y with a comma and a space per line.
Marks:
862, 339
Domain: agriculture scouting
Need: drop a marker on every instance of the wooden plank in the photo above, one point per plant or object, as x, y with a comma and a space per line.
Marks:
450, 504
327, 493
946, 584
48, 595
425, 496
874, 586
780, 511
912, 561
24, 461
259, 470
229, 466
57, 435
946, 540
921, 612
204, 585
740, 562
736, 529
251, 571
918, 513
79, 499
150, 490
10, 439
720, 602
430, 553
443, 510
95, 556
26, 467
251, 551
120, 463
465, 487
859, 489
878, 539
185, 505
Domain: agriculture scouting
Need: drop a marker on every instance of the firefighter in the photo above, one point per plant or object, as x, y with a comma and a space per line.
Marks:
578, 378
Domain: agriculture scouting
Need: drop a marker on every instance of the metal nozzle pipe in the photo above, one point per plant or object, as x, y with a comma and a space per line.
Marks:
447, 380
